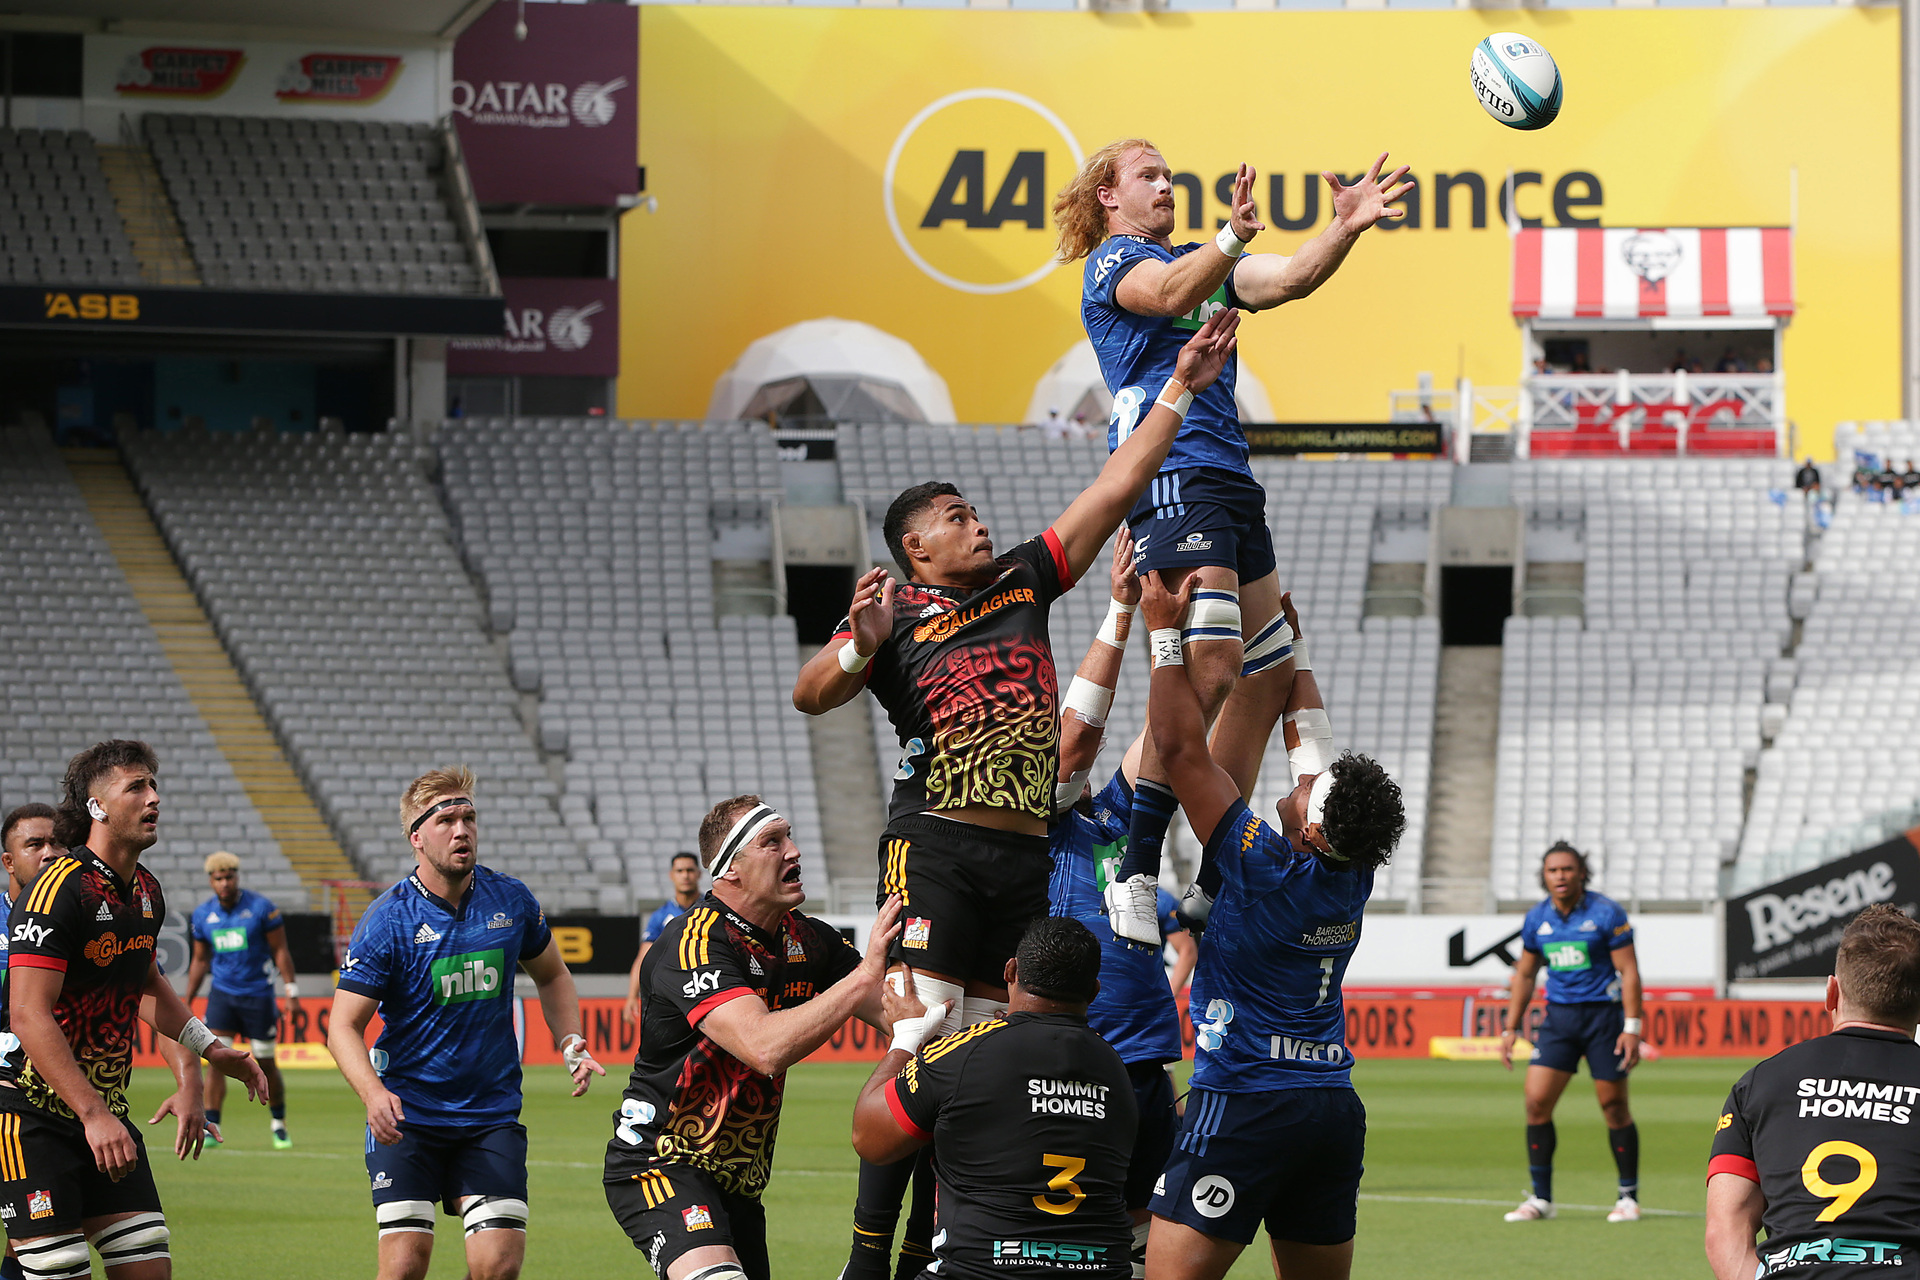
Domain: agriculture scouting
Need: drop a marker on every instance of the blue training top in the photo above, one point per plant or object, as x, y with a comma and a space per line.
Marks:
1137, 355
1134, 1011
242, 961
1266, 1004
444, 978
1578, 947
668, 910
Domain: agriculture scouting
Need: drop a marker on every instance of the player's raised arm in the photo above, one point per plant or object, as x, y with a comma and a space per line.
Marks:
1155, 288
835, 675
1205, 790
1083, 712
1269, 279
1085, 526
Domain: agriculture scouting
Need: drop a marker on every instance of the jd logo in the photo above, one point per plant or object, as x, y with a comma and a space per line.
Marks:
1212, 1196
473, 976
967, 186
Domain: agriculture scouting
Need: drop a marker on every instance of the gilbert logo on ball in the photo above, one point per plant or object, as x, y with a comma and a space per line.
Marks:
1516, 81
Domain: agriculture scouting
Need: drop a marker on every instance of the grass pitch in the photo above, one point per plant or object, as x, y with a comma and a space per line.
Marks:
1444, 1161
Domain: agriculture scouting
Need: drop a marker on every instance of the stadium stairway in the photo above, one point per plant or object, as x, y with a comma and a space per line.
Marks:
141, 200
1466, 736
205, 669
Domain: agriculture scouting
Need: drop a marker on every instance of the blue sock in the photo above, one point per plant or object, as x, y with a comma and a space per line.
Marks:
1541, 1139
1625, 1144
1153, 806
279, 1110
213, 1115
10, 1269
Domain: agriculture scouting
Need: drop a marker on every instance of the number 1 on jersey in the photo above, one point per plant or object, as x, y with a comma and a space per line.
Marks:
1326, 979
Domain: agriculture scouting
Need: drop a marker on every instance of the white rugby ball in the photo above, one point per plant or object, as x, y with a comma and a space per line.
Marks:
1516, 80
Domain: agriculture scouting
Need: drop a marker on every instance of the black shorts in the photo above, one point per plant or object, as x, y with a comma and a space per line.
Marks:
1587, 1030
968, 892
435, 1162
1153, 1139
1289, 1159
49, 1183
673, 1209
1201, 516
252, 1017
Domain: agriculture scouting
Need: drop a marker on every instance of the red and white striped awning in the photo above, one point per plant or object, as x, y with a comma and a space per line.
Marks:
1626, 273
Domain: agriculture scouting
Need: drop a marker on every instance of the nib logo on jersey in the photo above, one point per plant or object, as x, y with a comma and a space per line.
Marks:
477, 975
968, 184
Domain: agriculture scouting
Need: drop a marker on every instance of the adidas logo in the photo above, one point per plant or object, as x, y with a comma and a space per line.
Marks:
104, 913
426, 934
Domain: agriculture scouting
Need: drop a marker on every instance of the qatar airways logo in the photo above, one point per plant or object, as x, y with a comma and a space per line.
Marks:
527, 104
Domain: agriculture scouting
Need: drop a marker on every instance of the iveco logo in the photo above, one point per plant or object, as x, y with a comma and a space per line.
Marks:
967, 186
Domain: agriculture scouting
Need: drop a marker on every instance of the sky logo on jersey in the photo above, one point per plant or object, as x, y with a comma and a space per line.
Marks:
1047, 1250
229, 939
30, 933
708, 981
1562, 956
473, 976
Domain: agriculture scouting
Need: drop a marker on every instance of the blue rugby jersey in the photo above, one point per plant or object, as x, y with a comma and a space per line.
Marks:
443, 975
1266, 1004
242, 961
1138, 353
1134, 1011
662, 914
1577, 949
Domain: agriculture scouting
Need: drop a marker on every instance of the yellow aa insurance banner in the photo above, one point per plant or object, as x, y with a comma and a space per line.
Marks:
895, 167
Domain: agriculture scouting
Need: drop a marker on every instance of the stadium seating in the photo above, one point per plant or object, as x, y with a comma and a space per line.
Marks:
1654, 706
595, 539
1378, 681
84, 666
327, 565
1840, 775
336, 205
58, 223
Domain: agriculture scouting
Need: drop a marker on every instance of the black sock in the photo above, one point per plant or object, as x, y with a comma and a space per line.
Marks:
278, 1111
1153, 806
1626, 1158
213, 1115
916, 1245
876, 1212
1541, 1139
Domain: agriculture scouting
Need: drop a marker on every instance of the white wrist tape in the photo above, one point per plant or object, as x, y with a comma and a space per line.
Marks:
1166, 647
1230, 244
910, 1033
852, 662
573, 1050
1315, 752
195, 1036
1630, 1026
1300, 660
1066, 791
1179, 404
1089, 701
1117, 624
293, 991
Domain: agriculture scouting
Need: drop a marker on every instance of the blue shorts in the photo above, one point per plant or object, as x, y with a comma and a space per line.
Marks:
1588, 1030
1289, 1159
1204, 515
1153, 1138
432, 1162
252, 1017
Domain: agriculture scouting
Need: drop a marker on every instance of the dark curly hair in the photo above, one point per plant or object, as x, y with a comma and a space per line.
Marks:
71, 823
907, 508
1364, 817
1561, 846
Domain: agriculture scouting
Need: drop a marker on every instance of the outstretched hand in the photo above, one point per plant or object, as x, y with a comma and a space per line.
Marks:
1163, 608
1207, 352
1244, 215
1288, 612
1366, 201
1125, 582
872, 611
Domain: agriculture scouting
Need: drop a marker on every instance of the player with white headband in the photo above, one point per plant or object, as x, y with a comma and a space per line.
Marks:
1271, 1066
737, 990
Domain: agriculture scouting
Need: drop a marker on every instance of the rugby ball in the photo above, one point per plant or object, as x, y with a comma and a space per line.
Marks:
1516, 80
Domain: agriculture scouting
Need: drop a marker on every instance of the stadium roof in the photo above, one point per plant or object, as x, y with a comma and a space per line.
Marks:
414, 18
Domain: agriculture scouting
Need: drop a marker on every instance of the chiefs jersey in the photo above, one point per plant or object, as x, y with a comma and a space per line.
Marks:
1830, 1129
689, 1101
968, 680
80, 919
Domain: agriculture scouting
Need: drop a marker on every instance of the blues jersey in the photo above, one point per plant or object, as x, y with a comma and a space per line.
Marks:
443, 975
1137, 355
668, 910
1577, 948
238, 938
1266, 1006
1134, 1011
7, 1040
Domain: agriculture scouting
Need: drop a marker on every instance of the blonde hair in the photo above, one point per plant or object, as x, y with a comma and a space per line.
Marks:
1077, 209
425, 790
221, 860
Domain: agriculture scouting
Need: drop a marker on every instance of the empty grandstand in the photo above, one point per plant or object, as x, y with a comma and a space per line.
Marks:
58, 222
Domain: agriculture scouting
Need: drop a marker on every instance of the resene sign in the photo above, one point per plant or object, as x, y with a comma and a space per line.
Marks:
1791, 928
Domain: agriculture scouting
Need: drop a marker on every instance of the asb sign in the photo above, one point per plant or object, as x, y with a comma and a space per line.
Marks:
979, 161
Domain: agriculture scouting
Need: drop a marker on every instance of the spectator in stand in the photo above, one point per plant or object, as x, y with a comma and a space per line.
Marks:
1807, 478
1910, 476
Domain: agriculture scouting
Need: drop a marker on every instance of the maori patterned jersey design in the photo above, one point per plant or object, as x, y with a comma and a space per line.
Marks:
968, 680
81, 920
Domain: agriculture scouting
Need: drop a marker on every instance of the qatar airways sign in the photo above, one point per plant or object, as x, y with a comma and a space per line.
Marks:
553, 326
554, 118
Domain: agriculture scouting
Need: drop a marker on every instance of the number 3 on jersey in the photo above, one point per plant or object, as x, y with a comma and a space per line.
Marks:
1843, 1194
1070, 1167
